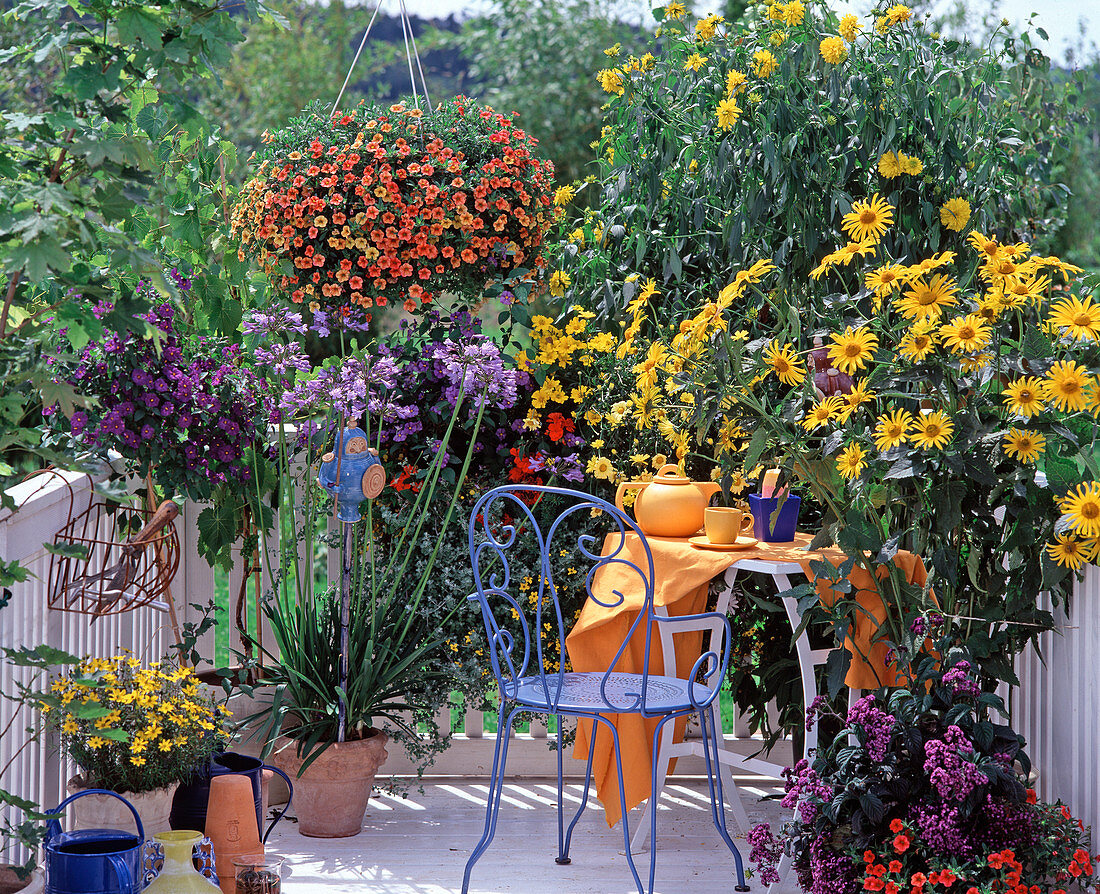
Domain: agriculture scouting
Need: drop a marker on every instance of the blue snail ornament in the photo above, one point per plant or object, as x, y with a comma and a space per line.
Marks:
352, 474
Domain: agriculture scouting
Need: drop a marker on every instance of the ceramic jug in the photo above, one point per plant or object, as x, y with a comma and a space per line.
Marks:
179, 875
670, 505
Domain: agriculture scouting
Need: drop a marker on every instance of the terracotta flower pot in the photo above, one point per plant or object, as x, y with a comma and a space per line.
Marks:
331, 796
105, 812
10, 883
231, 824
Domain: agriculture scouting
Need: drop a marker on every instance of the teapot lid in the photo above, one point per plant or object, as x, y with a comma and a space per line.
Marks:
669, 473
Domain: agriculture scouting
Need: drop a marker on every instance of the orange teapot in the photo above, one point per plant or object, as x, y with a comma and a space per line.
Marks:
670, 505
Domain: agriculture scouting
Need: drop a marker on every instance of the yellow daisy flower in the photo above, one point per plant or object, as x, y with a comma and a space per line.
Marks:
927, 298
1024, 396
857, 397
764, 64
932, 430
964, 335
1069, 551
1024, 444
695, 62
892, 429
1077, 318
785, 363
851, 460
1082, 507
563, 195
601, 467
822, 412
1065, 386
833, 50
889, 166
727, 113
852, 349
868, 219
917, 344
849, 27
885, 279
954, 213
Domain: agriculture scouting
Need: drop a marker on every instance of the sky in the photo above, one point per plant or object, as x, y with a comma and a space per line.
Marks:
1058, 17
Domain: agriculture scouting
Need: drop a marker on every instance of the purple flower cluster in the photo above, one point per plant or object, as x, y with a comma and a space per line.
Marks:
950, 765
960, 680
831, 871
765, 853
877, 726
354, 388
942, 829
816, 707
1008, 824
805, 789
181, 405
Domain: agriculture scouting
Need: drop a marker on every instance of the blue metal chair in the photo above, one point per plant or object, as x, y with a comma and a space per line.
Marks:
508, 543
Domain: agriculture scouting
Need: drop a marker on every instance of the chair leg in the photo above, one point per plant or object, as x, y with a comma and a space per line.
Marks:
496, 787
740, 816
563, 843
661, 770
622, 801
717, 803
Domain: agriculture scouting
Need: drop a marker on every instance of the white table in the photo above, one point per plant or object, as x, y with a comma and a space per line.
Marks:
808, 661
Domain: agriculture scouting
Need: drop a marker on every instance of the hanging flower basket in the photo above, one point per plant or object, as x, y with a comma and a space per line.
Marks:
394, 205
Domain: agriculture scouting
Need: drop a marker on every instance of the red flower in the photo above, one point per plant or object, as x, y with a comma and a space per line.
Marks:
1031, 796
891, 888
896, 826
895, 866
901, 843
556, 427
872, 883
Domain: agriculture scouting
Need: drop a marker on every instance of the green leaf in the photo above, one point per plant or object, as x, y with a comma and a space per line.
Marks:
135, 23
188, 228
836, 669
41, 258
217, 532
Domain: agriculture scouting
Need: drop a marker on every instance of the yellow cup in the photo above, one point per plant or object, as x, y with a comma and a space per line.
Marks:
724, 524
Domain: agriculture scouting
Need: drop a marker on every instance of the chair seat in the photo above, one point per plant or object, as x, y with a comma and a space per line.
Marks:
581, 692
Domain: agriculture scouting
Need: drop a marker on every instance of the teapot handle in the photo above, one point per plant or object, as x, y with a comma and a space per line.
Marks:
668, 470
624, 487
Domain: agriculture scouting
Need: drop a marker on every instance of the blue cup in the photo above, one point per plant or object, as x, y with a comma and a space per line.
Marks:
783, 529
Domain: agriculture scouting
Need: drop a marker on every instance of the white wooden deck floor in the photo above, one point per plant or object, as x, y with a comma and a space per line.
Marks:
420, 845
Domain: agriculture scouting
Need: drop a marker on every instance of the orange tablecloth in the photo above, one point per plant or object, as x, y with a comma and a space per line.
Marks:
681, 576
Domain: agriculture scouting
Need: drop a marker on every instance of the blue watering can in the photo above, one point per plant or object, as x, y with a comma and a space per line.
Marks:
352, 474
93, 861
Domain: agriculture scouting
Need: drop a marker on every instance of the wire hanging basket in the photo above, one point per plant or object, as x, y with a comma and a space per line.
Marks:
111, 559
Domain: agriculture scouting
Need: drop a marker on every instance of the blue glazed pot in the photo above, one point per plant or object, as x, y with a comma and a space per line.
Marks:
93, 861
783, 529
191, 799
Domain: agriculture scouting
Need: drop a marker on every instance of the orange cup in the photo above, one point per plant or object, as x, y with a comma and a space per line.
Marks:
724, 524
231, 825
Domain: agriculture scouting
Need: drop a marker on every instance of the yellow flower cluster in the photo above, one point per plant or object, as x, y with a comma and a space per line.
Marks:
115, 714
894, 164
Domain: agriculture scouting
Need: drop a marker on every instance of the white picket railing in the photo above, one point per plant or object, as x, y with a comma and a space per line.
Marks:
36, 770
1057, 706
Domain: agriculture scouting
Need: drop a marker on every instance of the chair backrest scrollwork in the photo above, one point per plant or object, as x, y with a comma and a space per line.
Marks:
536, 551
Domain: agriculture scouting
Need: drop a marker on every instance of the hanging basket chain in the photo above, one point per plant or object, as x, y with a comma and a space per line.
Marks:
411, 54
416, 56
